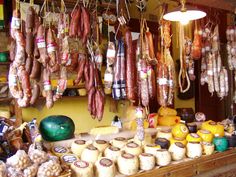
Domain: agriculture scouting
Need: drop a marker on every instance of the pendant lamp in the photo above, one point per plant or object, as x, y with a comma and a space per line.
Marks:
184, 14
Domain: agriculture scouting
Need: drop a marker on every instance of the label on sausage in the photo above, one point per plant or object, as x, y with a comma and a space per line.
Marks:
170, 82
162, 81
210, 73
108, 77
143, 74
111, 53
3, 129
51, 48
15, 23
47, 86
41, 43
12, 80
98, 58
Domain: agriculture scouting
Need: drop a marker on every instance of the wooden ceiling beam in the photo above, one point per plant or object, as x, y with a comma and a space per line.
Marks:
218, 4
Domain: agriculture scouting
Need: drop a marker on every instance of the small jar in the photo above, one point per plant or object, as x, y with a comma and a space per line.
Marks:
164, 134
105, 167
90, 154
133, 148
164, 143
193, 137
194, 150
206, 135
192, 127
128, 164
146, 161
100, 144
163, 157
151, 148
78, 146
112, 153
221, 144
119, 142
177, 151
208, 148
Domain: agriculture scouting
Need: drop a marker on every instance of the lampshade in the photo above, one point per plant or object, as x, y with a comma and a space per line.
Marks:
184, 13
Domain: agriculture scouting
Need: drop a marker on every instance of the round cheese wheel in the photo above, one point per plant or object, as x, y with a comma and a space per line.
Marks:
90, 154
119, 142
164, 134
193, 137
147, 161
128, 164
100, 144
163, 157
194, 149
78, 146
59, 150
181, 140
208, 148
133, 148
68, 158
206, 135
151, 148
215, 128
105, 168
112, 153
177, 151
180, 131
82, 169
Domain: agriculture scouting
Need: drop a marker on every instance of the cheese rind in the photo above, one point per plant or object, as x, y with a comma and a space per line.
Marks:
82, 169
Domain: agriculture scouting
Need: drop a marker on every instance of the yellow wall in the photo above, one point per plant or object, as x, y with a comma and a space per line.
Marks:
190, 103
75, 108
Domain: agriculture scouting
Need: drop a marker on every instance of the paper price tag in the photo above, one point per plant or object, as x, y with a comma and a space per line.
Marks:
15, 23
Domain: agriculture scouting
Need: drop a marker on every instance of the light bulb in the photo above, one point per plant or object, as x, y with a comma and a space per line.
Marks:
184, 21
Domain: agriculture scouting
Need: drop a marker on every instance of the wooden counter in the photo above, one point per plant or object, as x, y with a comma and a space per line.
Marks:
215, 162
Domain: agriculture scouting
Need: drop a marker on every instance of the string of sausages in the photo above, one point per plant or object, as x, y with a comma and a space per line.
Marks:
212, 71
231, 52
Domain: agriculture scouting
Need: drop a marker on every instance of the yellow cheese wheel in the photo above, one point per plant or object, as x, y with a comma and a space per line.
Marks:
165, 111
68, 158
168, 120
206, 135
215, 128
60, 150
193, 137
180, 140
180, 131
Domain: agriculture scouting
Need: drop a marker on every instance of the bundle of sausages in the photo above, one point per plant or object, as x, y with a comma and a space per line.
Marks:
231, 51
212, 71
165, 70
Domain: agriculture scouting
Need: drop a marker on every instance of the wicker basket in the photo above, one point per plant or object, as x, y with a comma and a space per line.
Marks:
66, 173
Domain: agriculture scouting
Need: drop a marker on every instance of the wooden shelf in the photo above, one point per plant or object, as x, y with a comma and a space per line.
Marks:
5, 63
194, 167
5, 99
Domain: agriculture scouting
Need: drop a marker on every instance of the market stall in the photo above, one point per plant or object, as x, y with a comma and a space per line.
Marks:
117, 88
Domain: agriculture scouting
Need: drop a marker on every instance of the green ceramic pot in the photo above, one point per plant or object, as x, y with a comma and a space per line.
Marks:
3, 57
56, 128
221, 144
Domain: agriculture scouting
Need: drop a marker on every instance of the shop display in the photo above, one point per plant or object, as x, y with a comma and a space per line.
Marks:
92, 52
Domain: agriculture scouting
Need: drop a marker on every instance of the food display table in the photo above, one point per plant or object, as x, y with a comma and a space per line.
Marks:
218, 164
